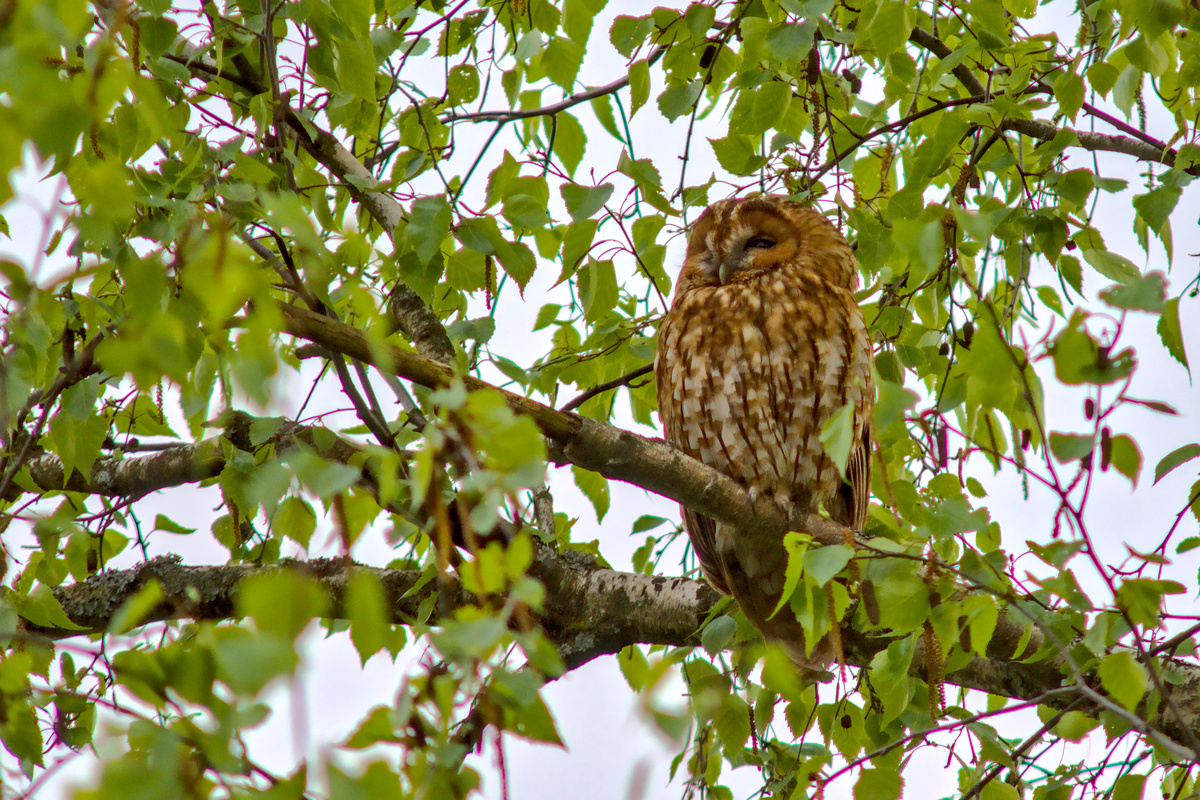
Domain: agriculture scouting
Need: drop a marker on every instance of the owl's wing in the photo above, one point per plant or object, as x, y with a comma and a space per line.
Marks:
849, 507
702, 532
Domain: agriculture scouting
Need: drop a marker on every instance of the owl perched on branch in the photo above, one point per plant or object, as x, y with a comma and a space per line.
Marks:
763, 344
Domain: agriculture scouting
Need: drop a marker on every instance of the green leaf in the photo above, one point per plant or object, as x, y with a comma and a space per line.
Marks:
738, 154
1155, 206
1142, 598
164, 523
1129, 787
890, 27
1175, 458
837, 435
642, 170
1145, 293
576, 244
598, 288
639, 85
1102, 76
377, 781
1075, 725
570, 141
634, 666
584, 201
823, 564
878, 784
518, 261
77, 441
790, 42
295, 519
1112, 266
1068, 90
894, 400
678, 98
999, 790
627, 33
718, 634
323, 478
247, 662
428, 225
462, 85
1078, 357
647, 522
1069, 446
21, 734
760, 108
1171, 334
370, 626
562, 59
1126, 457
281, 601
1123, 678
595, 487
42, 608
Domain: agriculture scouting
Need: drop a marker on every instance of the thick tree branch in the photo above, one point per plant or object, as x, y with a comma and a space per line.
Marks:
591, 611
135, 476
614, 453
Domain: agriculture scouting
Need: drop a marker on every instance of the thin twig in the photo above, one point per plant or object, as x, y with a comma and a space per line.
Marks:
604, 387
562, 105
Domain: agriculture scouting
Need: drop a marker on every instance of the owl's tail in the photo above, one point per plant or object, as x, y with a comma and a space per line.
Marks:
755, 572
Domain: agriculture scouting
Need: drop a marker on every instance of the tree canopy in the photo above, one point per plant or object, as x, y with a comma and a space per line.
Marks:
386, 277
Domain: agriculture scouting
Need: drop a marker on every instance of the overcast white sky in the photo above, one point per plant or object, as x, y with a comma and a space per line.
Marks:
610, 749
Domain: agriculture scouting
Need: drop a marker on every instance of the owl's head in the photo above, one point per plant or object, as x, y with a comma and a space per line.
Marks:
741, 239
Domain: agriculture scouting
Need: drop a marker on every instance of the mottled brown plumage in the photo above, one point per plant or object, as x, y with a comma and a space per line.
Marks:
763, 344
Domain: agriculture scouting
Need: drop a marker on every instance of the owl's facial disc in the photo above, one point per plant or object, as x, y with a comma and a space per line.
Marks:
742, 254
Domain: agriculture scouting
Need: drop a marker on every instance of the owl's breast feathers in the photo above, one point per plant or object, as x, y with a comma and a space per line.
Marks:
749, 373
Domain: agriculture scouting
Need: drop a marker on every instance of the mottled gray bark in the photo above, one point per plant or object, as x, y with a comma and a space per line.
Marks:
592, 611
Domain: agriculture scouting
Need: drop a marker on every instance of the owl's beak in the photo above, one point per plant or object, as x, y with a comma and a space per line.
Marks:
728, 265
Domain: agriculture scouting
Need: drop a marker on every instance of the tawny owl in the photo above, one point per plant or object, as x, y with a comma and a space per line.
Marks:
763, 344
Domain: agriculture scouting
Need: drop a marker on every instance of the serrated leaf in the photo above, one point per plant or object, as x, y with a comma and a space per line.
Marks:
1129, 787
1069, 446
365, 608
837, 436
738, 154
1126, 457
678, 99
561, 59
1171, 334
584, 201
628, 32
1155, 206
165, 523
878, 784
1175, 458
570, 141
890, 27
1123, 678
718, 634
1145, 293
429, 224
595, 487
295, 519
823, 564
1112, 265
639, 85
